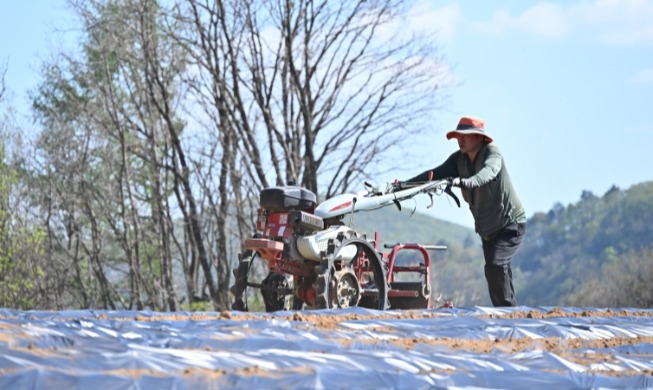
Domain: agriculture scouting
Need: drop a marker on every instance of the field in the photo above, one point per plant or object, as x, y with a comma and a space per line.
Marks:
475, 347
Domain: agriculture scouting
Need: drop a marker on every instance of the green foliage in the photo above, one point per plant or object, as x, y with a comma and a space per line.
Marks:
571, 248
197, 306
19, 244
625, 282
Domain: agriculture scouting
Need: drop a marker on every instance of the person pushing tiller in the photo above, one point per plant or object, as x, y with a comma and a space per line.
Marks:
480, 171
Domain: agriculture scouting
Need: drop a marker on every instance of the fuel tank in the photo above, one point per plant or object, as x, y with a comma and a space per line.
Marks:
311, 247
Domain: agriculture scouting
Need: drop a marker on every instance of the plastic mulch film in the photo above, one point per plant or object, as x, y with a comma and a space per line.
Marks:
475, 347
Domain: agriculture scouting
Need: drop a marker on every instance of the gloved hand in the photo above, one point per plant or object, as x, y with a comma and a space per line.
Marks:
394, 186
462, 183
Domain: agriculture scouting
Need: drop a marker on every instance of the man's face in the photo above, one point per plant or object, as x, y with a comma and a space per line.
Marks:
470, 143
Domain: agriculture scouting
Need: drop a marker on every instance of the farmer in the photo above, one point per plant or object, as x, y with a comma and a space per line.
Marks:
479, 170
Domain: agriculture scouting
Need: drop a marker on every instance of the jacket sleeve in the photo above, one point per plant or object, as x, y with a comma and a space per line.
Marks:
492, 164
449, 168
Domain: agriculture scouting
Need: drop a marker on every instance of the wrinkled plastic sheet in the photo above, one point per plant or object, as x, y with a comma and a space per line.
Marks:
147, 350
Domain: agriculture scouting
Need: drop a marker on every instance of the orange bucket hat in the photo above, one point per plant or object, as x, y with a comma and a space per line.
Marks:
470, 125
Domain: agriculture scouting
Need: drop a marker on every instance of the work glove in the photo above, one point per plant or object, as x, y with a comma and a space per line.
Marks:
394, 186
462, 183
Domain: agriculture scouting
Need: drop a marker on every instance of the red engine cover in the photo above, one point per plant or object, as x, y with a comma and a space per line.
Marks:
272, 224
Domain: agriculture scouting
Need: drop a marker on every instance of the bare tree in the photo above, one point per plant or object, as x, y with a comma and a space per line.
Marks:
3, 73
312, 88
294, 91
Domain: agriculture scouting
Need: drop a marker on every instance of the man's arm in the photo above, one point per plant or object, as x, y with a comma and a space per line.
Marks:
449, 168
492, 165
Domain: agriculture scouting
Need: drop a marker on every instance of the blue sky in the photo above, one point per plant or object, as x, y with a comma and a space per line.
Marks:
565, 87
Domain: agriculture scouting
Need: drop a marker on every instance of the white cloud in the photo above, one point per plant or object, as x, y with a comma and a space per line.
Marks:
441, 22
544, 19
617, 21
643, 76
424, 20
611, 21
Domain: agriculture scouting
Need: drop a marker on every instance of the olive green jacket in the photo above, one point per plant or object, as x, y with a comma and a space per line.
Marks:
492, 198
